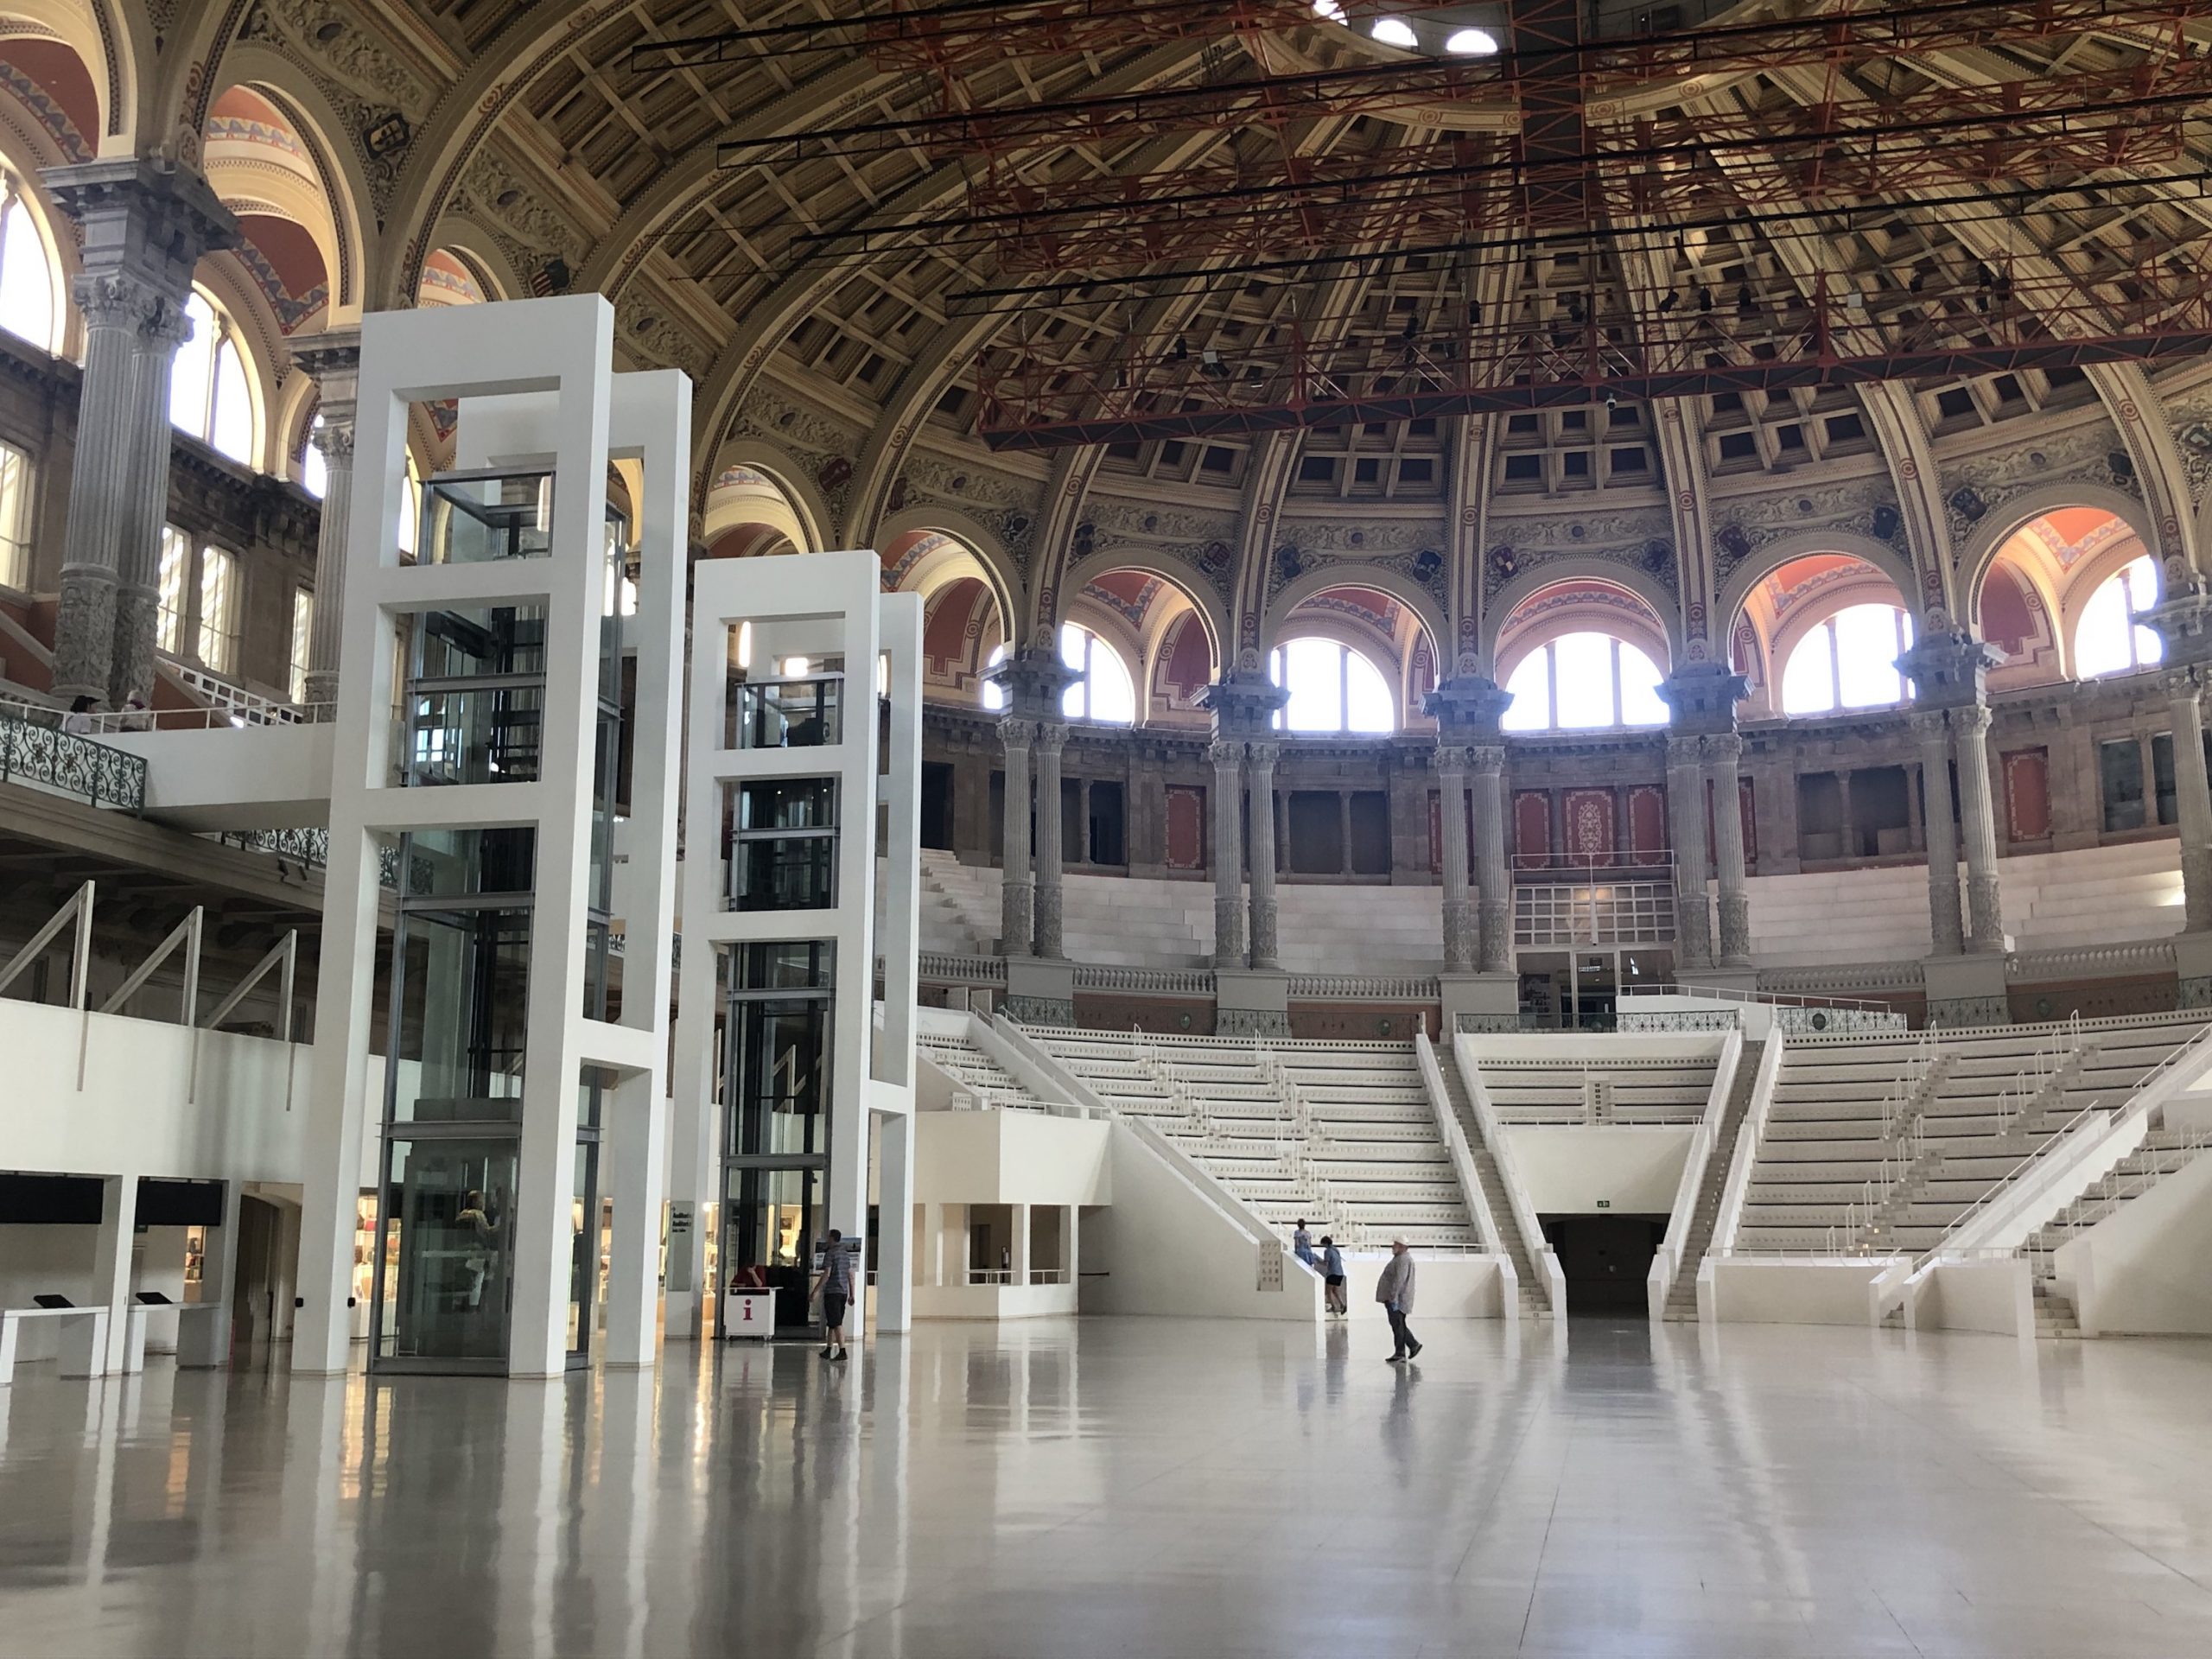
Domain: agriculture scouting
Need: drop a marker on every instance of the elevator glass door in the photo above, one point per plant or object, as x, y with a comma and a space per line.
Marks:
773, 1224
445, 1266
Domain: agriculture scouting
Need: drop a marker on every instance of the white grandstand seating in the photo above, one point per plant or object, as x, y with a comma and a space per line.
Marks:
2163, 1152
980, 1082
1602, 1079
1340, 1135
1877, 1143
2052, 902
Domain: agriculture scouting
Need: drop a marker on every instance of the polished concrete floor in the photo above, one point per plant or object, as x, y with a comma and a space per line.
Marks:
1141, 1488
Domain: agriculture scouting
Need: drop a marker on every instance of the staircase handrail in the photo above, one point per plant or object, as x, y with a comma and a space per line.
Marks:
1749, 1134
1455, 1144
1666, 1264
1541, 1256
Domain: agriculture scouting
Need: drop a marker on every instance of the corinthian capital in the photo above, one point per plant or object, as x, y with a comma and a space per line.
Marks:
1051, 737
1487, 758
1928, 725
1725, 748
1685, 750
123, 299
1016, 734
1224, 752
1261, 757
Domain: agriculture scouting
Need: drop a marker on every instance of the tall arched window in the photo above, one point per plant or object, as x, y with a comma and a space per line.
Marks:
1848, 662
1105, 694
1333, 688
30, 304
2108, 639
1583, 681
315, 471
209, 396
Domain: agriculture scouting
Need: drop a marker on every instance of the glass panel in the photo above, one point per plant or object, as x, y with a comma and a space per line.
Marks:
26, 279
804, 966
583, 1248
1640, 703
450, 863
447, 1283
1530, 687
303, 640
470, 519
176, 569
503, 639
1867, 646
230, 427
598, 949
787, 713
15, 502
769, 1225
315, 471
475, 737
461, 1011
193, 370
1809, 677
2162, 777
1583, 669
1367, 696
784, 873
779, 1060
1313, 672
218, 601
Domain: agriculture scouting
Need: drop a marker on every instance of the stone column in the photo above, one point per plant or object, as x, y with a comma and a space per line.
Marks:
1723, 754
1460, 937
1934, 733
1051, 737
2192, 799
1685, 805
1260, 758
1014, 888
335, 361
1494, 882
1978, 819
144, 229
1226, 809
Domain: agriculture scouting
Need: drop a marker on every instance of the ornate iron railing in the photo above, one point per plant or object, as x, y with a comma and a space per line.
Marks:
31, 752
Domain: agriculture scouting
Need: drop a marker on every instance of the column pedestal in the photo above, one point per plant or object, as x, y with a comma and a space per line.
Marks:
1481, 1003
1248, 1002
1039, 991
1966, 991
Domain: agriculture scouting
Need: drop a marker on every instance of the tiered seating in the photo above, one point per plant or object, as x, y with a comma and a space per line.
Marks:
1578, 1088
2094, 895
1342, 1136
1878, 1143
981, 1083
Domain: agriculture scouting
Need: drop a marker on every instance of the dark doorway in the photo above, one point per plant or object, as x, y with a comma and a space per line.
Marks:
936, 805
1605, 1259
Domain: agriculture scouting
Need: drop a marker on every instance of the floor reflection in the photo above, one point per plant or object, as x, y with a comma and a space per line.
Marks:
1138, 1486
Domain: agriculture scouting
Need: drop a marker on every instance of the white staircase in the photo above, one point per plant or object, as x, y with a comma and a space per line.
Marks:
1339, 1135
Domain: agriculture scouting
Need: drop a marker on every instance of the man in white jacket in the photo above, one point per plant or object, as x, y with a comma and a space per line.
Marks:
1394, 1290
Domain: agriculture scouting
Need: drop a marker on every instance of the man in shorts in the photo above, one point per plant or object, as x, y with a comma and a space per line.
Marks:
835, 1287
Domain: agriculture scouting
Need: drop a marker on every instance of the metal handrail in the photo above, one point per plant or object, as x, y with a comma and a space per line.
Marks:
1729, 994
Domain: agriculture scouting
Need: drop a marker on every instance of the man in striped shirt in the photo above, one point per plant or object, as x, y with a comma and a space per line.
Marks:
835, 1287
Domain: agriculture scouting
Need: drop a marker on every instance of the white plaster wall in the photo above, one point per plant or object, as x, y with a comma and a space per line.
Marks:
2148, 1269
1010, 1158
235, 777
35, 1260
1445, 1287
1164, 1247
1769, 1292
1568, 1169
133, 1114
1992, 1296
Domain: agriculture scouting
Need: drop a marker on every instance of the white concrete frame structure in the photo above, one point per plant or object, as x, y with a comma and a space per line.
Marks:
815, 606
538, 389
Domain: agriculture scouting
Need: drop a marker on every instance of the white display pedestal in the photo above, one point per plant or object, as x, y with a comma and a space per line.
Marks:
748, 1313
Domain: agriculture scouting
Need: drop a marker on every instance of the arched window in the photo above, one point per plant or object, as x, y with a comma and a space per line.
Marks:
1583, 681
1848, 662
2108, 639
208, 394
30, 306
315, 471
1333, 688
1105, 694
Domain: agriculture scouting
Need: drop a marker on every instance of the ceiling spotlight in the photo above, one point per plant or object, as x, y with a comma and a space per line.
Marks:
1394, 31
1471, 43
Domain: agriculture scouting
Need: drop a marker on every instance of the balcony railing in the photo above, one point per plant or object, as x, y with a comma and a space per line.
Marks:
35, 750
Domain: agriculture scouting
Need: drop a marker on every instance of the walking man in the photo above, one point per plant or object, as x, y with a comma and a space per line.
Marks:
1394, 1290
836, 1288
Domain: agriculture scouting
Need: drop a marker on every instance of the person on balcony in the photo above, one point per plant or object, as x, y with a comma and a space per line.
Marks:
77, 722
